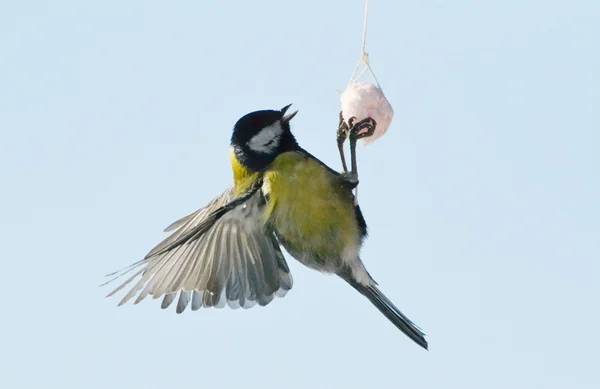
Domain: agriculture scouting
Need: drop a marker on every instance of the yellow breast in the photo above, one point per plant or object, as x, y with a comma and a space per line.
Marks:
242, 176
308, 207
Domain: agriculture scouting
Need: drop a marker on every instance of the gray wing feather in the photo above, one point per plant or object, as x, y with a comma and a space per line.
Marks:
234, 261
186, 224
216, 203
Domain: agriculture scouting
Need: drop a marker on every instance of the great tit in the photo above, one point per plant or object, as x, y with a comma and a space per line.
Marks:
228, 253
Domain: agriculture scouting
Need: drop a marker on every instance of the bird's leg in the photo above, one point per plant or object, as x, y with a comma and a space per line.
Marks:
342, 135
349, 180
355, 134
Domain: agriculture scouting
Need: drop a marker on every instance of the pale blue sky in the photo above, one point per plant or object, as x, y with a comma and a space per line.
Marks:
482, 199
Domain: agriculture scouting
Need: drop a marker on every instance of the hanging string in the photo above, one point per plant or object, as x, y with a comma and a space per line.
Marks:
364, 57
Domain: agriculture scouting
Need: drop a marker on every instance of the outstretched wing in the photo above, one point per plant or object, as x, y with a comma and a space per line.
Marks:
194, 218
221, 254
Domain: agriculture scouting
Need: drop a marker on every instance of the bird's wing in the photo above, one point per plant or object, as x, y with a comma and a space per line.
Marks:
191, 222
194, 218
218, 255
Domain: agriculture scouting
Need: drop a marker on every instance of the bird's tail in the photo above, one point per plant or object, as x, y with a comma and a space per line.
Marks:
390, 311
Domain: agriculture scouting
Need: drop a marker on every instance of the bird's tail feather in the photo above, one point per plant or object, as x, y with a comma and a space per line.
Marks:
385, 306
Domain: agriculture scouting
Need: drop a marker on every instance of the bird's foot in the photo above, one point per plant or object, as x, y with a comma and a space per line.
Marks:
356, 127
349, 180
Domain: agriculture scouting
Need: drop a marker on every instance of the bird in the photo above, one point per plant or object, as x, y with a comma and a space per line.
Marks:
229, 251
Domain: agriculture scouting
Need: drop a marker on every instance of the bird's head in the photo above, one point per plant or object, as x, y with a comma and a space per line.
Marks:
260, 136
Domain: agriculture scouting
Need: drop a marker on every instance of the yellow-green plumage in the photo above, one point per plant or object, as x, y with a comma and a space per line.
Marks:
309, 208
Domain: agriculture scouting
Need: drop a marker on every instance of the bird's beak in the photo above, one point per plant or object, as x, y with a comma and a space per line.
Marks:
287, 118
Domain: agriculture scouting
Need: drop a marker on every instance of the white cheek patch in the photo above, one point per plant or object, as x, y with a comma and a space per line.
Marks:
267, 140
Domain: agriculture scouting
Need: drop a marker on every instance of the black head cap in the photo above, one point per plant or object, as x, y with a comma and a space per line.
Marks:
260, 136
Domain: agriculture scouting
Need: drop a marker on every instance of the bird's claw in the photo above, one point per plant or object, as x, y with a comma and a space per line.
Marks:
355, 128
